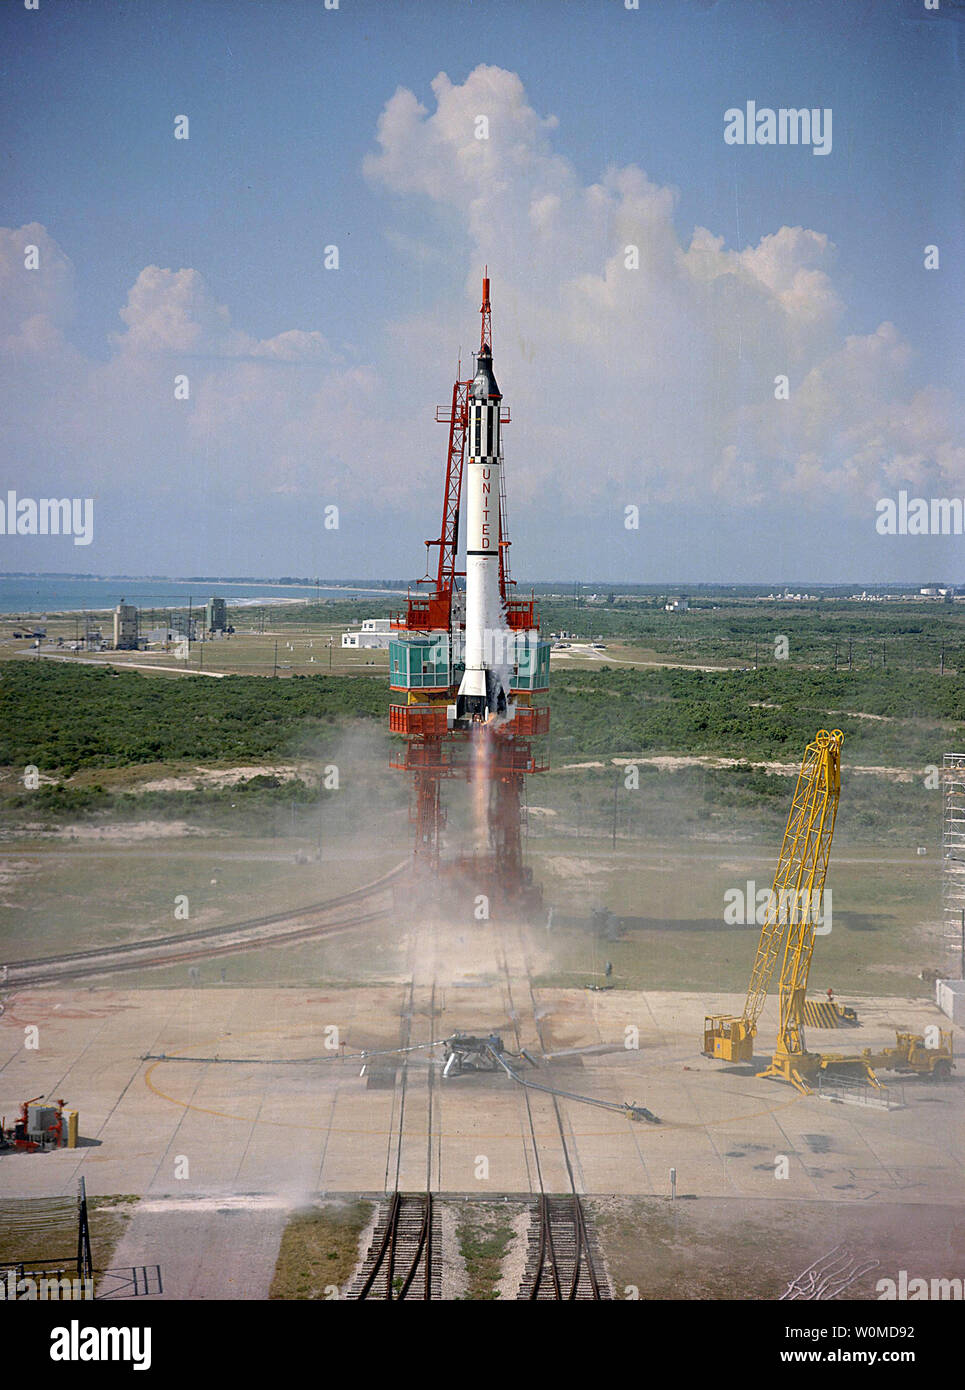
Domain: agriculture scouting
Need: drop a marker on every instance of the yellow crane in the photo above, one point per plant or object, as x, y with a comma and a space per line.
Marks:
930, 1055
790, 923
791, 1061
798, 886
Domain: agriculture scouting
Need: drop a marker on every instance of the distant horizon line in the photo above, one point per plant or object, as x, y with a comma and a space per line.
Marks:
384, 584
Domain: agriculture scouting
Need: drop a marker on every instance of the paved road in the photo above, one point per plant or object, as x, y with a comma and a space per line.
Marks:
127, 665
207, 1247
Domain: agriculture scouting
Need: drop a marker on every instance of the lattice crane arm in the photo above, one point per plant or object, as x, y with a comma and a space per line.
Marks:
799, 941
798, 882
803, 861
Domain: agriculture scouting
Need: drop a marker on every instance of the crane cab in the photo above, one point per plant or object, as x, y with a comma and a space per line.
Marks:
728, 1039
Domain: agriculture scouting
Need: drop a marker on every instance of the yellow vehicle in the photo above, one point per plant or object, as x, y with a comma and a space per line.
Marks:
913, 1054
796, 893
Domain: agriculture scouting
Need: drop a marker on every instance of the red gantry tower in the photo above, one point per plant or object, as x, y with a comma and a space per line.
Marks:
467, 663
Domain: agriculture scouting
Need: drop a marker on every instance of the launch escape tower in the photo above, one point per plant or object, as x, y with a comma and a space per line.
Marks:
467, 664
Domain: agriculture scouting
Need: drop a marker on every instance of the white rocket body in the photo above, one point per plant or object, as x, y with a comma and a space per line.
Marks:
484, 691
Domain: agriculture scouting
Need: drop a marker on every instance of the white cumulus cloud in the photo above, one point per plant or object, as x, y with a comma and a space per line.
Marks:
657, 379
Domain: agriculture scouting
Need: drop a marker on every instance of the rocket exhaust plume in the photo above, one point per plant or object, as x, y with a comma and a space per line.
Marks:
481, 744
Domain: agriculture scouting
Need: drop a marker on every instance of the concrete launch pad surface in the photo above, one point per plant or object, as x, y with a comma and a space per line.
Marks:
277, 1122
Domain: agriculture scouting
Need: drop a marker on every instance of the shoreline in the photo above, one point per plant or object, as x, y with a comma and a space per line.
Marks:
302, 595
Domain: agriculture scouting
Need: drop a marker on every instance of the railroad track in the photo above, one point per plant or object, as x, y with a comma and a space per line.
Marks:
561, 1262
280, 928
399, 1264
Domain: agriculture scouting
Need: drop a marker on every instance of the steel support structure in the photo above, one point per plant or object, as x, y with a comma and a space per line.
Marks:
431, 754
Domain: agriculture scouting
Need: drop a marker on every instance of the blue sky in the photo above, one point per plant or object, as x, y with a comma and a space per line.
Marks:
666, 376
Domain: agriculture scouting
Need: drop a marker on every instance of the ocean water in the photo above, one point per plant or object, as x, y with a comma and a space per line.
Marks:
42, 594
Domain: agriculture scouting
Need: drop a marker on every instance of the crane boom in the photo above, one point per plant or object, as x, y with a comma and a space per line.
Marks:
816, 830
797, 889
792, 908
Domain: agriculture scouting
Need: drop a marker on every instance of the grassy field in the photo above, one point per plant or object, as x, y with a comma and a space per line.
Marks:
484, 1231
66, 716
78, 895
720, 1249
215, 789
885, 918
319, 1251
304, 649
357, 957
46, 1230
821, 632
677, 854
724, 804
669, 897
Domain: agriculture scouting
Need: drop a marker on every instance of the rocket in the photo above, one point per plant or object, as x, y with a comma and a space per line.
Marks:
484, 689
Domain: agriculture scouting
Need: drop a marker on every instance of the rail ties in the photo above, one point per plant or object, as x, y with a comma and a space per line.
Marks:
400, 1262
562, 1260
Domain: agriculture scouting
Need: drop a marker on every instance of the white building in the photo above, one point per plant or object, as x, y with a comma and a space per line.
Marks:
677, 605
374, 632
125, 627
950, 997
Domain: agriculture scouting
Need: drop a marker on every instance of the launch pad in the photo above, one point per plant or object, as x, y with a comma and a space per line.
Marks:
247, 1130
468, 665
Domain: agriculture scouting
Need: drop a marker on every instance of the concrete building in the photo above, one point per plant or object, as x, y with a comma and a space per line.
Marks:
950, 998
176, 630
125, 627
374, 632
216, 615
677, 605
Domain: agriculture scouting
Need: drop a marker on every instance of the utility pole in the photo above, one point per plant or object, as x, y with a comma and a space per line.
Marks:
275, 668
850, 649
942, 670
